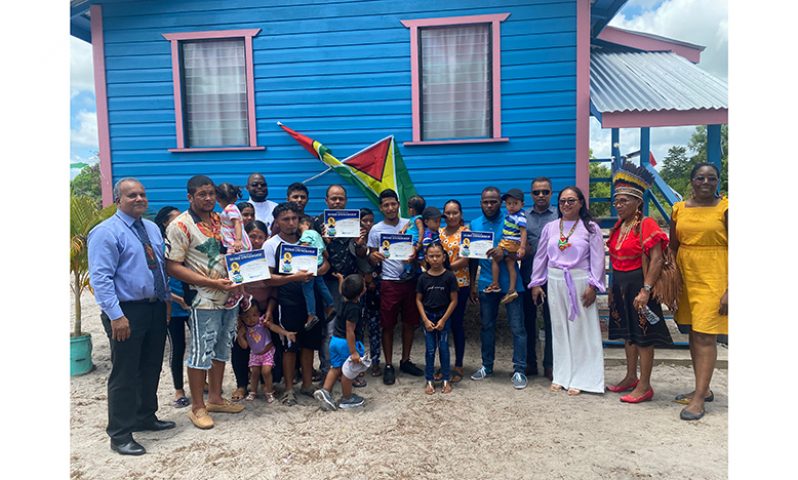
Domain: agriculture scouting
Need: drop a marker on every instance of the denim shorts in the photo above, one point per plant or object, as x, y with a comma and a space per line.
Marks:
339, 351
212, 333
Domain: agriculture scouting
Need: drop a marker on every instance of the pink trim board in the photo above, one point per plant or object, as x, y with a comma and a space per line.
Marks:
650, 44
101, 97
413, 25
175, 39
582, 160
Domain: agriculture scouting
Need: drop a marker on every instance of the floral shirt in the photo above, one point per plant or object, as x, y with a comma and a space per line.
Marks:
197, 245
451, 243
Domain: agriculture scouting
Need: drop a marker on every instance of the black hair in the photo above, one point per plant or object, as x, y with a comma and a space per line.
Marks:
366, 211
697, 166
227, 192
491, 189
198, 181
327, 192
430, 212
296, 186
388, 193
352, 286
256, 174
459, 207
256, 224
243, 205
252, 303
417, 203
285, 207
541, 180
437, 243
584, 213
306, 219
161, 217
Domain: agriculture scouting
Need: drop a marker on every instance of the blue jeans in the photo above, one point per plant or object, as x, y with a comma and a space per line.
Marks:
489, 312
440, 340
310, 298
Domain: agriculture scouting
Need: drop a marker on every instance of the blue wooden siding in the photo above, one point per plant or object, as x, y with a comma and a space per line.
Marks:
339, 71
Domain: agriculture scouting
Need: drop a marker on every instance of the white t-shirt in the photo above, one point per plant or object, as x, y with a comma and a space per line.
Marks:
263, 211
270, 249
391, 269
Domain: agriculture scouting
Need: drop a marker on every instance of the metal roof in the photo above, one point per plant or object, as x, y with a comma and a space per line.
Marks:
650, 82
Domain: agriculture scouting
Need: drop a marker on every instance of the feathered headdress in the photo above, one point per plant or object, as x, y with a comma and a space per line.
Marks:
632, 180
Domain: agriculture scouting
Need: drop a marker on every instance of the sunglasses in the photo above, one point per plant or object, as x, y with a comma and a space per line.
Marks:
568, 201
257, 184
540, 192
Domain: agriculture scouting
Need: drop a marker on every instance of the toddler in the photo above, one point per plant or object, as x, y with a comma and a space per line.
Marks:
311, 238
512, 243
234, 239
415, 228
431, 218
436, 299
346, 346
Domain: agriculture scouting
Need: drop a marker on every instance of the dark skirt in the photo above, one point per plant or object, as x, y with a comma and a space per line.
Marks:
625, 322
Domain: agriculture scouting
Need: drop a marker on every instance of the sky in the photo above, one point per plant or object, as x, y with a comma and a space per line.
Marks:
701, 22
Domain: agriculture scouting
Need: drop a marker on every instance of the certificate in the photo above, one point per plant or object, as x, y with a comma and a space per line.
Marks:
342, 223
475, 244
245, 267
396, 246
294, 258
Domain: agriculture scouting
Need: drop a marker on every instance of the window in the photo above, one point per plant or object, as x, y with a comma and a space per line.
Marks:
456, 81
214, 90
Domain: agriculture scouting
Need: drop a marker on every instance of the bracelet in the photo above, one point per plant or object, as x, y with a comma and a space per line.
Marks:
647, 287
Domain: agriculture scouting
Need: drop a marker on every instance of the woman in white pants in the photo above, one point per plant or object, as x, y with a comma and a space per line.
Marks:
570, 259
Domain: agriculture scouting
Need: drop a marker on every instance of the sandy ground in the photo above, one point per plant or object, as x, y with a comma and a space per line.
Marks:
482, 430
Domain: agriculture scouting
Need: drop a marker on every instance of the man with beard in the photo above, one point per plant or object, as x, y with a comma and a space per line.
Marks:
193, 253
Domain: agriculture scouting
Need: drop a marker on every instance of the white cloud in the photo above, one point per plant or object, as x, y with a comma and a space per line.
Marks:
703, 22
81, 71
85, 134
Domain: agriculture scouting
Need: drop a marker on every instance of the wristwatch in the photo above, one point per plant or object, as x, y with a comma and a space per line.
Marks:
647, 287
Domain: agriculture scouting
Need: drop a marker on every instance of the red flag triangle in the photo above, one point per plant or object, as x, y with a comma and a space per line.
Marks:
651, 159
371, 161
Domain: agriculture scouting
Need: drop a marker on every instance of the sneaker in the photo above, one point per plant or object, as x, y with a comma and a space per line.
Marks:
519, 381
311, 323
325, 399
352, 402
389, 375
481, 374
410, 368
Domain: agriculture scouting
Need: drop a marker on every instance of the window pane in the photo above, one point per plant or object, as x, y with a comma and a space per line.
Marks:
455, 82
215, 93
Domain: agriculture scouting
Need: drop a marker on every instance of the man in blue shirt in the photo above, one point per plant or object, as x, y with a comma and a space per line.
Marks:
492, 220
127, 273
541, 213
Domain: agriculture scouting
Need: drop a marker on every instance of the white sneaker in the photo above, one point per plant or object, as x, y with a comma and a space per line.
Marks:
519, 381
481, 374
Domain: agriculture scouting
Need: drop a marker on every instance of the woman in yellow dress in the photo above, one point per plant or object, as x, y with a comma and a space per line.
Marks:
699, 239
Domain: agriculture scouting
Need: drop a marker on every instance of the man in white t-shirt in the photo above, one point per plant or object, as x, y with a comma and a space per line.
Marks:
258, 191
395, 295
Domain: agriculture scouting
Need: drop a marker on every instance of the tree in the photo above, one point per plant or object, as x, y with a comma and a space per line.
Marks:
599, 189
677, 165
87, 183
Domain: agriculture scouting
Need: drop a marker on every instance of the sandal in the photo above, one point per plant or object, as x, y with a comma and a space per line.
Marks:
429, 389
555, 388
238, 394
181, 402
376, 371
438, 376
447, 387
572, 392
492, 289
251, 396
269, 396
288, 399
359, 381
457, 374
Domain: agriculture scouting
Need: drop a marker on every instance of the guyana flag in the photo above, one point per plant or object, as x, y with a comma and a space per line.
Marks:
376, 168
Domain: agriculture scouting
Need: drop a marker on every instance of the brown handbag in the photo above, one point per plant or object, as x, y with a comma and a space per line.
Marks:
668, 286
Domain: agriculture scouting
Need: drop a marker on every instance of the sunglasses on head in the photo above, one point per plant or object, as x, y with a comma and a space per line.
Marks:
540, 192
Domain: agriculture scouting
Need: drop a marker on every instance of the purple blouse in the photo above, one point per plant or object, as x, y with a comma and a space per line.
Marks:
585, 253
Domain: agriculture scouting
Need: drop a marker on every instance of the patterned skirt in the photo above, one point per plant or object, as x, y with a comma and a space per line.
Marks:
625, 321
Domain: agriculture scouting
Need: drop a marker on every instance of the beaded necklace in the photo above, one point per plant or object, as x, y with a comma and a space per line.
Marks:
624, 232
563, 243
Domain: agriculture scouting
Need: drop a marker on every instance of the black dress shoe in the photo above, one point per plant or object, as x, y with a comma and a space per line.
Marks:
410, 368
129, 448
155, 426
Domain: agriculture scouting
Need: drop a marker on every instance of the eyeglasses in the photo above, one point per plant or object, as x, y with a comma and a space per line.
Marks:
569, 201
540, 192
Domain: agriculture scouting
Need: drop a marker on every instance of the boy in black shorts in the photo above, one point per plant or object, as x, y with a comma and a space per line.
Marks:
347, 340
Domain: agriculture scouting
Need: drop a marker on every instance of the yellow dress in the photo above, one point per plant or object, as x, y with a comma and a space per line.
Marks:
703, 261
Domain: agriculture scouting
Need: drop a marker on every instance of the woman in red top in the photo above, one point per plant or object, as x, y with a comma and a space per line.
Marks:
634, 316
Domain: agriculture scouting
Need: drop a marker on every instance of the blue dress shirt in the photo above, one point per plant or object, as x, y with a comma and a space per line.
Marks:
118, 270
495, 225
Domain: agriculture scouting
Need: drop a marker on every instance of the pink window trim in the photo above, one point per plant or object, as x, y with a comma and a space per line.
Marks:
582, 160
456, 142
101, 96
175, 39
413, 25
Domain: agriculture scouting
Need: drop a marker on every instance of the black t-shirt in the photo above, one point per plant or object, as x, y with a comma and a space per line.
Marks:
350, 312
436, 291
340, 252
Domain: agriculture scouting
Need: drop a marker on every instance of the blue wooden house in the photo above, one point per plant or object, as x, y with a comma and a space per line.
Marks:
475, 92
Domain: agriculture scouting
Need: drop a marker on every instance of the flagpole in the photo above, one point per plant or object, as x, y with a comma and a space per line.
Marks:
314, 177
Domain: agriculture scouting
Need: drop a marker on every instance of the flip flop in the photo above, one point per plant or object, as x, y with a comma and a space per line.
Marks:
456, 376
238, 394
181, 402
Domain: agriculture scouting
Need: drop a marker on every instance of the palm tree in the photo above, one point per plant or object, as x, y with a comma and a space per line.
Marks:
84, 215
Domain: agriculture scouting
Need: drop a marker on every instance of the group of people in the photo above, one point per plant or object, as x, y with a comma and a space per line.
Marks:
169, 277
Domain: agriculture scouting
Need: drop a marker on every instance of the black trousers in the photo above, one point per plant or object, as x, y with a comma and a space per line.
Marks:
177, 339
135, 368
530, 324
